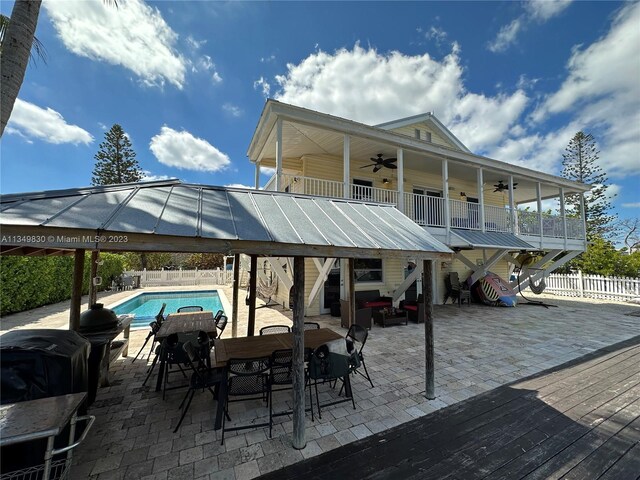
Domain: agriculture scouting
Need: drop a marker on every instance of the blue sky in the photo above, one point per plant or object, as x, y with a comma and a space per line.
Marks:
188, 80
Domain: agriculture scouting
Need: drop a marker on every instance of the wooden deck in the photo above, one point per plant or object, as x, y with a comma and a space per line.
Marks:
580, 420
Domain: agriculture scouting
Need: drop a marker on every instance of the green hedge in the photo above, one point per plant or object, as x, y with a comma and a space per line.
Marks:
30, 282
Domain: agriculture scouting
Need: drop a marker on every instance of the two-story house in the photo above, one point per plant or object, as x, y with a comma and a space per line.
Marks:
487, 211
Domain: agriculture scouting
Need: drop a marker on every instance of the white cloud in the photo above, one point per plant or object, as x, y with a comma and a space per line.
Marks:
195, 44
268, 171
631, 205
30, 121
437, 34
506, 36
262, 85
539, 11
232, 110
183, 150
268, 59
205, 64
543, 10
133, 35
370, 87
239, 185
147, 176
603, 92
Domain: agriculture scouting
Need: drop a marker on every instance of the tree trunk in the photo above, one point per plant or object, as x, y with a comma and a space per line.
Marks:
16, 49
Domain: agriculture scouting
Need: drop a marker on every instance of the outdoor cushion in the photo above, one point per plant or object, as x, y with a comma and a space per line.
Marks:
377, 304
413, 308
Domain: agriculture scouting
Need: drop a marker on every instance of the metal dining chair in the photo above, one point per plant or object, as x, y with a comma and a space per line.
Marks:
190, 308
273, 329
248, 380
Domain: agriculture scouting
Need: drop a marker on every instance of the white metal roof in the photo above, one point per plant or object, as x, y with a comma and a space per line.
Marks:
172, 216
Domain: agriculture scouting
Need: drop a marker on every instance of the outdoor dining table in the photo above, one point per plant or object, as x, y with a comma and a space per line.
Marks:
186, 322
260, 346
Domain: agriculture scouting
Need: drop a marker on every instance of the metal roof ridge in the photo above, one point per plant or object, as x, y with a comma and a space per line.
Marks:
68, 192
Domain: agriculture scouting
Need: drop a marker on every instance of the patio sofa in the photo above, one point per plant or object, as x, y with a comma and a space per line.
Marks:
362, 318
415, 309
372, 299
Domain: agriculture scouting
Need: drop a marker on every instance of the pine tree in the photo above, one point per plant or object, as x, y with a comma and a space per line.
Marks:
116, 161
580, 164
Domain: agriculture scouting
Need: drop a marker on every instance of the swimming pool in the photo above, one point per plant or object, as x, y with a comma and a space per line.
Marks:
146, 306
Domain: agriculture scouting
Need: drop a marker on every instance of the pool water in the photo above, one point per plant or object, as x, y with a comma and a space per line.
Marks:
146, 306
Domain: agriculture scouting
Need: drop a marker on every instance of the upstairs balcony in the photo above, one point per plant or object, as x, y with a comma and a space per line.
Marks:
431, 211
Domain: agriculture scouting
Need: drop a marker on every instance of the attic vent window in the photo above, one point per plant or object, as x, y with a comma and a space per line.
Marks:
417, 133
427, 136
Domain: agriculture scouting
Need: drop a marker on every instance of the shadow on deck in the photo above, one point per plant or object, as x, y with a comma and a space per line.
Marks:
579, 420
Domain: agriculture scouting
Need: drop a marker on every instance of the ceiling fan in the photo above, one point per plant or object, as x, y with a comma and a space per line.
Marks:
380, 162
501, 187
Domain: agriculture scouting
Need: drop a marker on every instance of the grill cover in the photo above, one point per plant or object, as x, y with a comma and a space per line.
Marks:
41, 363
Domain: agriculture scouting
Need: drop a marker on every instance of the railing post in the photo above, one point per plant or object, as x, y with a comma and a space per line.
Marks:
512, 208
400, 200
445, 194
346, 167
279, 155
480, 181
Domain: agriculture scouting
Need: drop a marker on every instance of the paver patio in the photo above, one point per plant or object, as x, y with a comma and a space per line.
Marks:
477, 349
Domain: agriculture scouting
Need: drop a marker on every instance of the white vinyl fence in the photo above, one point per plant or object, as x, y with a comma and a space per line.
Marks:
154, 278
593, 286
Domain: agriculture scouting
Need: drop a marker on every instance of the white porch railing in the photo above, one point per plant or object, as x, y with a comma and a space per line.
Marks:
428, 211
593, 286
497, 219
150, 278
373, 194
425, 210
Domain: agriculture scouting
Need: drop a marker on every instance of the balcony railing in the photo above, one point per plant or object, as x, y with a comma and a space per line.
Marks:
429, 211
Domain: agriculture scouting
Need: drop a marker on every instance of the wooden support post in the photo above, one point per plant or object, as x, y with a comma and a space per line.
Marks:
236, 287
427, 295
298, 440
253, 280
76, 291
352, 290
93, 289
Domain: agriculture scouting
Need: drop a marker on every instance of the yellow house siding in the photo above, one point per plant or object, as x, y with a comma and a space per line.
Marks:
436, 137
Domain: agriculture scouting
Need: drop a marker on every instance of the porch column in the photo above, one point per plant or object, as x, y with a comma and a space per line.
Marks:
352, 290
253, 279
563, 216
445, 195
278, 155
480, 182
298, 440
236, 287
427, 295
400, 155
257, 175
512, 207
539, 201
346, 165
93, 289
583, 217
76, 290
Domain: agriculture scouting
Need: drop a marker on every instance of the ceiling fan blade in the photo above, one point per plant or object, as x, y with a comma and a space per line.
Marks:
390, 160
370, 165
376, 168
391, 166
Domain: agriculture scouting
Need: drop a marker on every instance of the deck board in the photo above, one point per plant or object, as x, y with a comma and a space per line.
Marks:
579, 420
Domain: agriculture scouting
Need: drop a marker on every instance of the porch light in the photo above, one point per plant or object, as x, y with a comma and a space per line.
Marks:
386, 181
463, 195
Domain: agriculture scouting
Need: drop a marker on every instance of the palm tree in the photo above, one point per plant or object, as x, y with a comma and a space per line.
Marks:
17, 40
17, 37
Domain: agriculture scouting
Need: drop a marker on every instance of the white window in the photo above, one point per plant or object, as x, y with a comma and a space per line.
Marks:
417, 133
427, 136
